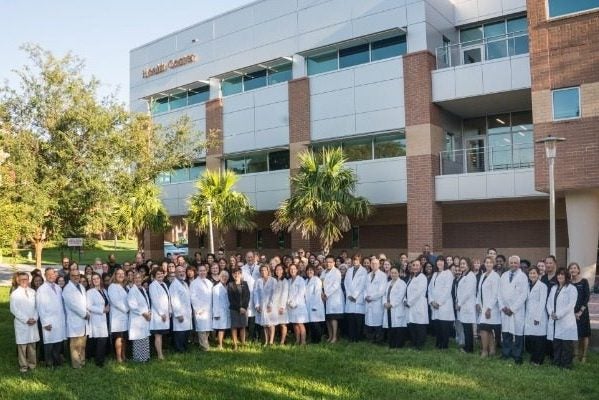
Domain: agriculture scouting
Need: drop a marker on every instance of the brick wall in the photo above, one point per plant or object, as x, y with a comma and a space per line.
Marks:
214, 125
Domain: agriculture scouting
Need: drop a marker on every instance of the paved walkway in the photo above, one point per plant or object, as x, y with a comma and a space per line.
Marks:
6, 272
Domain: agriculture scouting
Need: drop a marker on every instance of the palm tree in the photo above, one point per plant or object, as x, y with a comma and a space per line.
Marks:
322, 202
230, 209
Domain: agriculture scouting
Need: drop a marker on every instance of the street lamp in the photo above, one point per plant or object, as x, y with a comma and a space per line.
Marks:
209, 205
550, 143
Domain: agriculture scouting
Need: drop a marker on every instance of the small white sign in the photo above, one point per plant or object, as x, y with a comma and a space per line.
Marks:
75, 242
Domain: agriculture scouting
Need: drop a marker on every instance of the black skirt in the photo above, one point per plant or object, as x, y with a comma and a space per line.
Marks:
160, 331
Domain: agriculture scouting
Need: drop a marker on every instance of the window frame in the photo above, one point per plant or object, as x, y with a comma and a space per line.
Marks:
553, 91
567, 15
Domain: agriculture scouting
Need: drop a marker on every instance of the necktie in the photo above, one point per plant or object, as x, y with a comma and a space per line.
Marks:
354, 274
372, 279
53, 286
79, 288
511, 276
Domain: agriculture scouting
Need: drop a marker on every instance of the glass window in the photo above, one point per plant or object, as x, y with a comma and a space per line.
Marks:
495, 29
198, 95
471, 35
472, 56
393, 145
278, 160
358, 149
517, 25
259, 239
387, 48
254, 80
498, 123
496, 49
236, 165
566, 103
163, 177
160, 105
354, 55
232, 85
196, 171
518, 41
280, 73
563, 7
355, 236
180, 175
178, 100
256, 163
322, 63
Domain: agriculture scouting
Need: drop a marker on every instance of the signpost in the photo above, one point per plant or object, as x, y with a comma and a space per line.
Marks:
75, 242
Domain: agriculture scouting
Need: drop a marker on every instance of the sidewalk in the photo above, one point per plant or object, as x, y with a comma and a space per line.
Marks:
7, 270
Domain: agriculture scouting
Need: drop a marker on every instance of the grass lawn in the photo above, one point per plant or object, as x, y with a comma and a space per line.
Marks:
341, 371
124, 250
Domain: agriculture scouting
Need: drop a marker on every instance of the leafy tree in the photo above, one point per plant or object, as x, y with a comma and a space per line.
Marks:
322, 203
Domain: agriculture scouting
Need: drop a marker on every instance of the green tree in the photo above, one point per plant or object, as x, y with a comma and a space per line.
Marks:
230, 209
322, 202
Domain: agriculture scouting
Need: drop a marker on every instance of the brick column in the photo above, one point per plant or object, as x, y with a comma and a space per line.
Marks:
424, 138
153, 245
214, 126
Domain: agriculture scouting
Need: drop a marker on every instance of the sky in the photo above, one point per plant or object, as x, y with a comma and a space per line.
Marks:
102, 32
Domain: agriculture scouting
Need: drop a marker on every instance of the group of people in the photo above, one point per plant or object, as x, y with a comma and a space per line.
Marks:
123, 308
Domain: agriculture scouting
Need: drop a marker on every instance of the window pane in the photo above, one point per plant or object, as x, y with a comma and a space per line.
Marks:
562, 7
472, 56
496, 49
518, 44
196, 171
498, 123
495, 29
178, 100
517, 25
236, 165
256, 163
231, 86
354, 55
358, 149
180, 175
471, 35
278, 160
566, 103
254, 80
160, 105
387, 48
198, 95
500, 151
163, 177
280, 73
322, 63
390, 146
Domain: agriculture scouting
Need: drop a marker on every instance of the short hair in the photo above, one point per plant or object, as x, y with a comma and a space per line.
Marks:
155, 270
563, 271
515, 257
491, 248
525, 262
48, 270
534, 268
552, 257
330, 257
393, 267
224, 273
500, 256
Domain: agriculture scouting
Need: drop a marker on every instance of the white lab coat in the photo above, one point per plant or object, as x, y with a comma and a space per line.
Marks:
119, 308
439, 290
466, 298
201, 302
250, 274
75, 305
160, 306
181, 305
536, 310
280, 301
513, 295
564, 327
355, 286
398, 310
139, 327
332, 289
416, 300
264, 297
50, 308
220, 307
314, 302
296, 301
488, 299
375, 288
98, 324
22, 307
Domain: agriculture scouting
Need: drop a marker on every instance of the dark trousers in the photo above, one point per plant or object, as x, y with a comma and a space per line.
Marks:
536, 348
497, 333
563, 353
315, 329
442, 331
100, 349
512, 346
180, 340
374, 333
355, 326
396, 337
52, 354
254, 329
417, 335
468, 337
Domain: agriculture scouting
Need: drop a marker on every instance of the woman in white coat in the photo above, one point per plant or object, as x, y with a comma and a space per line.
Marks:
535, 327
394, 319
221, 317
98, 308
139, 319
264, 289
201, 302
487, 304
22, 307
376, 283
296, 305
314, 304
160, 323
466, 303
416, 304
280, 302
181, 306
441, 302
562, 328
119, 313
332, 295
50, 309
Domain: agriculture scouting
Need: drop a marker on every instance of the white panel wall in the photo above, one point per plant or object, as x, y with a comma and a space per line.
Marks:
266, 190
469, 11
175, 197
487, 185
382, 181
362, 99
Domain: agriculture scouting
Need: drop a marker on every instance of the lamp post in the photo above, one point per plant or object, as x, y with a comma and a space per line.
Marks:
550, 143
209, 205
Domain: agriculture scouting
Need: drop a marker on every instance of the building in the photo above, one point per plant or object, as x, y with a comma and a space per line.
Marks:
437, 104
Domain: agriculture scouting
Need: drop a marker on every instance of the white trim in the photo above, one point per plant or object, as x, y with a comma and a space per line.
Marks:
572, 14
553, 104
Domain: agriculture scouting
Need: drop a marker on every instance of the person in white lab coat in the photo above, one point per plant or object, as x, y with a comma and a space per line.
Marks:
416, 304
394, 318
296, 304
441, 302
314, 304
466, 303
140, 316
264, 289
161, 309
355, 307
50, 309
332, 295
251, 273
513, 292
98, 308
221, 317
182, 312
487, 304
280, 302
535, 327
376, 283
200, 292
22, 307
562, 328
75, 304
119, 313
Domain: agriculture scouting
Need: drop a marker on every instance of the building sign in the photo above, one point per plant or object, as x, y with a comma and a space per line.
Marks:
75, 242
160, 68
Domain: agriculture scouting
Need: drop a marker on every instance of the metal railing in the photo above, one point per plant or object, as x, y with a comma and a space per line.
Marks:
484, 159
475, 51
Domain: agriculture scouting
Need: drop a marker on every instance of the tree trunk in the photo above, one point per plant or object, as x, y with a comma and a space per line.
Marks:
39, 246
140, 240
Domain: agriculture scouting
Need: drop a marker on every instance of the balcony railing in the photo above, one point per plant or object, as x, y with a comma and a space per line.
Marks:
476, 51
484, 159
